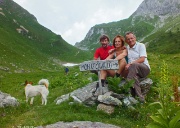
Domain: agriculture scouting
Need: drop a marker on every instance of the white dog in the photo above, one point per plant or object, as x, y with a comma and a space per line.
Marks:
40, 89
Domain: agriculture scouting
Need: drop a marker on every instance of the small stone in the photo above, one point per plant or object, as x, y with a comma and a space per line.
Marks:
109, 109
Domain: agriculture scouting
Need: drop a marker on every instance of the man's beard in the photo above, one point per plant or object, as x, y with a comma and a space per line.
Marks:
104, 45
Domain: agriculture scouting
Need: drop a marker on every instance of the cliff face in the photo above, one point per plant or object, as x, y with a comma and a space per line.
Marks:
158, 7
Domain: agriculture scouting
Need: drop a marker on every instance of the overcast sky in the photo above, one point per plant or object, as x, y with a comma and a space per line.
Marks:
72, 19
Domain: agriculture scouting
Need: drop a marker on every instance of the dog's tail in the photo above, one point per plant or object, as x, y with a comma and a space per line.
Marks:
44, 82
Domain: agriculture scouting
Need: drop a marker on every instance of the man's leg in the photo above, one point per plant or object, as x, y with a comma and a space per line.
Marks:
135, 72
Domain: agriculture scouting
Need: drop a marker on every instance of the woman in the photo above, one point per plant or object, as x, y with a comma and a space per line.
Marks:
119, 53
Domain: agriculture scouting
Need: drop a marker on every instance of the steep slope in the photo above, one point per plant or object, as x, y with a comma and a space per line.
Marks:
152, 16
27, 45
166, 39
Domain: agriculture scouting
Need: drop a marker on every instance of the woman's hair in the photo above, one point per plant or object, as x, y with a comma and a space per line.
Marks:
103, 37
121, 38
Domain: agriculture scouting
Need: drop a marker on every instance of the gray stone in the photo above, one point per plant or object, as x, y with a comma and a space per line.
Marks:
145, 85
7, 100
103, 89
118, 96
84, 95
80, 95
129, 101
126, 102
133, 100
109, 100
79, 124
109, 109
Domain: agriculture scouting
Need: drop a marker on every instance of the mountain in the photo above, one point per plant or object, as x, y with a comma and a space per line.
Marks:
154, 22
26, 45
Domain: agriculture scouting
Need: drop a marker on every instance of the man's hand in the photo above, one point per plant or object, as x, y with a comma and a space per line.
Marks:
111, 51
127, 66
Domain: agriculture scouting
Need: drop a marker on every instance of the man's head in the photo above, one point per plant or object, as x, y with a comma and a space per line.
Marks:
130, 39
104, 40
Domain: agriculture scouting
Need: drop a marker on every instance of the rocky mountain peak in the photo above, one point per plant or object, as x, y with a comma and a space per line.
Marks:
158, 7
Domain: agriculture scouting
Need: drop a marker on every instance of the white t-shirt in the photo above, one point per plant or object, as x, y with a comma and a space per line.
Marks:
137, 51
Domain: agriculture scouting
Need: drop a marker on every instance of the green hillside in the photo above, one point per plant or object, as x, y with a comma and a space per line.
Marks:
166, 39
140, 25
27, 45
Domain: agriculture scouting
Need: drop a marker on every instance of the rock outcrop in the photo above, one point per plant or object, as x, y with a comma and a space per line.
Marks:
107, 100
158, 7
7, 100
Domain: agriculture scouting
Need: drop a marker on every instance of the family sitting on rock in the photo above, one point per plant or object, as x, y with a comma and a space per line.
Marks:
132, 59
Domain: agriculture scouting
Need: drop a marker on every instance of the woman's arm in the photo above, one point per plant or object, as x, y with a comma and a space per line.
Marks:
122, 55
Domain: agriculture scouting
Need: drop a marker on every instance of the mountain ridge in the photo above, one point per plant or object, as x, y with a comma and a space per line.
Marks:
149, 18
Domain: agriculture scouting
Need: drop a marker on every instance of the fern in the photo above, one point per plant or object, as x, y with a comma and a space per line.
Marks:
114, 85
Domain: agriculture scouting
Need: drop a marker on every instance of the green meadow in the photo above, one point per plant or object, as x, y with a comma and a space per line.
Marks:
37, 114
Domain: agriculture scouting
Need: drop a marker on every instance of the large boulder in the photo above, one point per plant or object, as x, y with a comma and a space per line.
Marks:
7, 100
145, 85
81, 95
79, 124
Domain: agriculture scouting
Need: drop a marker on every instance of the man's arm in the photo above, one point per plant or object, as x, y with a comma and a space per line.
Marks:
140, 60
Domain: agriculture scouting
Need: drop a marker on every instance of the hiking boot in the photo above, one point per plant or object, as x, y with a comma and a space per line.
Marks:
117, 74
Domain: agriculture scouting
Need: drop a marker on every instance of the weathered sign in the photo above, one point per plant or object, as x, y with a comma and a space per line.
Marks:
99, 65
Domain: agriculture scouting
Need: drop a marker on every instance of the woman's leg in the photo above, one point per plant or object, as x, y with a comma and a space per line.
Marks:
122, 64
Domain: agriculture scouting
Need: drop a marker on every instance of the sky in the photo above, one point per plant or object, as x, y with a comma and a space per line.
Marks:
72, 19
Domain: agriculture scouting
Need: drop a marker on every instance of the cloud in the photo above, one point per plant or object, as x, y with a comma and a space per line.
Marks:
72, 19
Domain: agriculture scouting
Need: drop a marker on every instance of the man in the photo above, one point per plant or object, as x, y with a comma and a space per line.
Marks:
66, 70
138, 66
102, 53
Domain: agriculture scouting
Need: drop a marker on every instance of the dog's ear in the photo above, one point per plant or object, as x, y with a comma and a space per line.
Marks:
26, 82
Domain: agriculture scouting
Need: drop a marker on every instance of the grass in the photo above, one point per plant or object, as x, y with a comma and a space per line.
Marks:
36, 114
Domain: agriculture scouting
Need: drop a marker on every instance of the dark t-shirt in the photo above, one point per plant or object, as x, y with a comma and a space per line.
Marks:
102, 52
